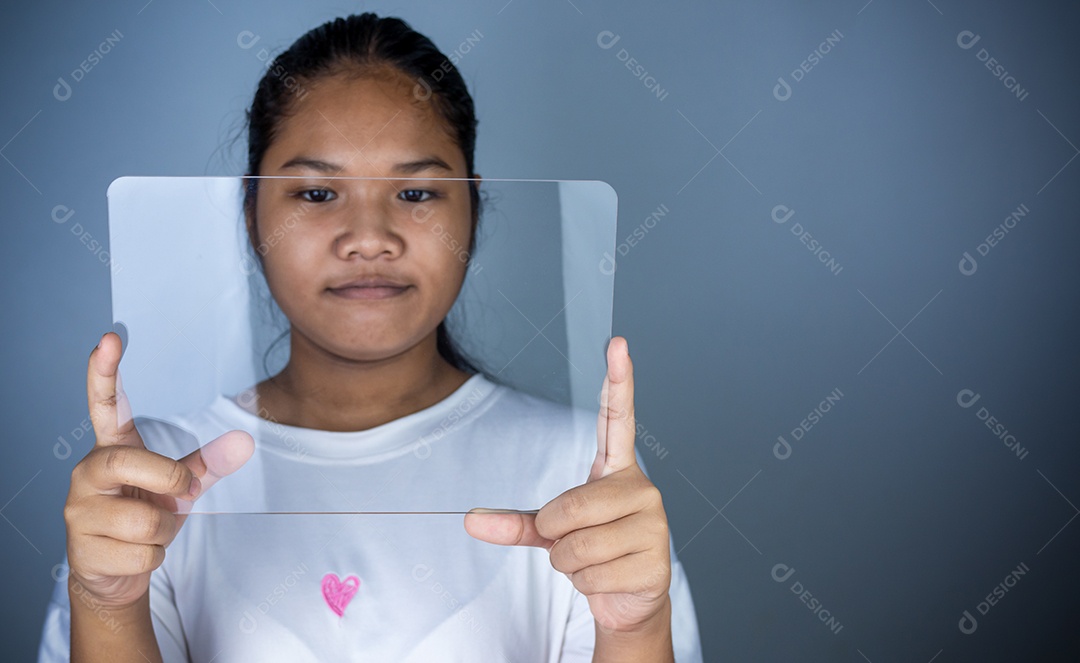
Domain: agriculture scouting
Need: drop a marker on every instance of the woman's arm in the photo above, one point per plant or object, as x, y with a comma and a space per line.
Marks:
609, 536
121, 513
649, 642
114, 635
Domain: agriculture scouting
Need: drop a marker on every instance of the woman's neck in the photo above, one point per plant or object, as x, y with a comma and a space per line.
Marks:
321, 391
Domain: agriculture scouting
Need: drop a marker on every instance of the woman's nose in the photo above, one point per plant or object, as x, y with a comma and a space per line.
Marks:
368, 231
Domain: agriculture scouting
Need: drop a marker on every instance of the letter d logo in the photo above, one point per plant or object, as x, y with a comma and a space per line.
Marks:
782, 450
782, 91
422, 90
61, 213
968, 624
781, 572
966, 398
247, 623
422, 572
62, 450
781, 213
607, 264
246, 39
62, 91
966, 39
968, 264
604, 39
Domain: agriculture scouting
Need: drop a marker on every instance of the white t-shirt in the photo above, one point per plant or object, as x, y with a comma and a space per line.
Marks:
377, 587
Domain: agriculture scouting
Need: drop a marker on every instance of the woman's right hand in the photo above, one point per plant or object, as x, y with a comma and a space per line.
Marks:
120, 508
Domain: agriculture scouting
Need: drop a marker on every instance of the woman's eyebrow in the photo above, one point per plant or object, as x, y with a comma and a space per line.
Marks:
407, 167
313, 164
427, 163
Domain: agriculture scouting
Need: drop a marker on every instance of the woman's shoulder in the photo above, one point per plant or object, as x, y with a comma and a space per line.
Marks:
535, 408
548, 422
526, 446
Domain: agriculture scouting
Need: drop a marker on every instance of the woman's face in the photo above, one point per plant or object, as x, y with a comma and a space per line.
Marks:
318, 235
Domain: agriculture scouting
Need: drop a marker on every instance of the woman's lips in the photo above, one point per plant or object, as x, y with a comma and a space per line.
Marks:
369, 292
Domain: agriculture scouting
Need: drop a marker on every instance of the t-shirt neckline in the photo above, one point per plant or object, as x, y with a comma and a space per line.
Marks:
389, 439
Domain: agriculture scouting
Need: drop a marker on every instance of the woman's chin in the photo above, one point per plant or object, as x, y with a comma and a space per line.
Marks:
369, 350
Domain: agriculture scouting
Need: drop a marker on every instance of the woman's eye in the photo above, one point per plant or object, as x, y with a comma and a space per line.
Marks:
412, 195
318, 195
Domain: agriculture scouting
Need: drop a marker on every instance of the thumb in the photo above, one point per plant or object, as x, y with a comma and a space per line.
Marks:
505, 527
217, 458
616, 429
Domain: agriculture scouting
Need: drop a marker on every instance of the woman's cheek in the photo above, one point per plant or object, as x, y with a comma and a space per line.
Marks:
449, 270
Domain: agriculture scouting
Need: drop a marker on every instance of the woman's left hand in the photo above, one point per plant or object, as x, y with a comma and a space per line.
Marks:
610, 534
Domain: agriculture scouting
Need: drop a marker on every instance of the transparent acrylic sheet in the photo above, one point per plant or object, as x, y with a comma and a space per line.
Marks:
200, 326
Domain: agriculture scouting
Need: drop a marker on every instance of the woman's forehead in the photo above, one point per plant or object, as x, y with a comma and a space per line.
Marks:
364, 121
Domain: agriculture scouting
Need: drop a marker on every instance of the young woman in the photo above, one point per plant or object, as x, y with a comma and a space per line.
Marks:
371, 371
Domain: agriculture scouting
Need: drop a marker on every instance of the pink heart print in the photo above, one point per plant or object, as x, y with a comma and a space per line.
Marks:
338, 593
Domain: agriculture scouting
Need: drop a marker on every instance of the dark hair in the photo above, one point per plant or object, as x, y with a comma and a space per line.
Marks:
359, 45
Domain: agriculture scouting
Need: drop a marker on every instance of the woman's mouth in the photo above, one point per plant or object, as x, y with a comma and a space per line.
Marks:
368, 292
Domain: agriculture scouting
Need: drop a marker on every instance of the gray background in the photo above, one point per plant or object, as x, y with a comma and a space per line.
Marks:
898, 151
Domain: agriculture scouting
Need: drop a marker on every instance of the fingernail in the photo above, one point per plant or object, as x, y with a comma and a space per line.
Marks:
195, 486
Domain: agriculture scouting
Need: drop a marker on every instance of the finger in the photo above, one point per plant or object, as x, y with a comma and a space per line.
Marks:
615, 432
104, 556
636, 573
505, 529
110, 411
110, 468
595, 503
603, 543
601, 433
126, 519
217, 458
